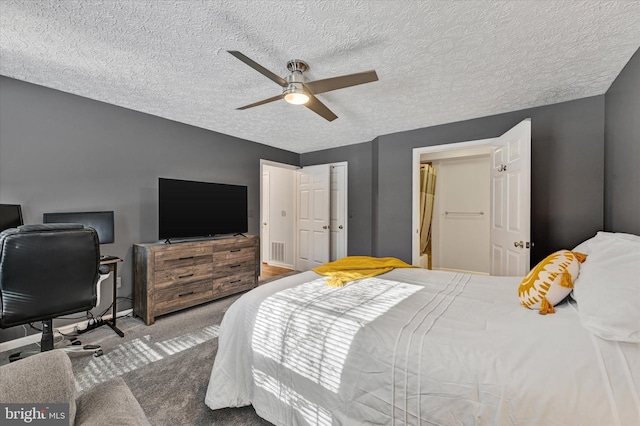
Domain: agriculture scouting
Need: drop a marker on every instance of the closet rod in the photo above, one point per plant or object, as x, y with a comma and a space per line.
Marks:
470, 213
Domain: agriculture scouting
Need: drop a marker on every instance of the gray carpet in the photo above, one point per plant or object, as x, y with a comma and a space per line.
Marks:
167, 365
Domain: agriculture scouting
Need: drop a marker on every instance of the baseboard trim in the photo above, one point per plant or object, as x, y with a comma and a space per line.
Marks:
35, 338
280, 265
462, 271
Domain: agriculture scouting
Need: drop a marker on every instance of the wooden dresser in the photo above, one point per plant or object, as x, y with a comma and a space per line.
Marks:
170, 277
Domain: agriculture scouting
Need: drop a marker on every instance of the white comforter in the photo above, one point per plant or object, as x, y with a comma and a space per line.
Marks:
417, 347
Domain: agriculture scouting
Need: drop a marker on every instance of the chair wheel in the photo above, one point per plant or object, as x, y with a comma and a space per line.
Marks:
98, 353
76, 342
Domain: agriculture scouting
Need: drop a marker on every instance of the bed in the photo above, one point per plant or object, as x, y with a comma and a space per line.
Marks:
413, 347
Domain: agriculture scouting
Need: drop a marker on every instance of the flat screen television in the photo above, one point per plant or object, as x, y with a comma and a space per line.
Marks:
189, 209
102, 222
10, 216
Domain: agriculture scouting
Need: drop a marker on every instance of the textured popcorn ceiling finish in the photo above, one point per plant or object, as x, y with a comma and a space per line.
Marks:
438, 62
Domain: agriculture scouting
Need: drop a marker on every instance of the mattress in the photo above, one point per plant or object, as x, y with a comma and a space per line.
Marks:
417, 347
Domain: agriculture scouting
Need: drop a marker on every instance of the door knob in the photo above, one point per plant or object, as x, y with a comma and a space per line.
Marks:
264, 223
518, 244
325, 227
340, 227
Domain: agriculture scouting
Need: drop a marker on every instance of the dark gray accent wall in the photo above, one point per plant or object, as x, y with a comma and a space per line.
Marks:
359, 190
622, 151
61, 152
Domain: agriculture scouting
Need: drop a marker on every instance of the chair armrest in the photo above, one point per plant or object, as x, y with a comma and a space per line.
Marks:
110, 403
46, 377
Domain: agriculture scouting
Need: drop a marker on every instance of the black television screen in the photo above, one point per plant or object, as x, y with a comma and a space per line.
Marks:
10, 216
102, 222
188, 209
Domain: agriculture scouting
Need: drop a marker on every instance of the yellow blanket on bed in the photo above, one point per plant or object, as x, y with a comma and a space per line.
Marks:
353, 268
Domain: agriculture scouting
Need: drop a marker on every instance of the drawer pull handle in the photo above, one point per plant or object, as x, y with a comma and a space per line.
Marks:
186, 258
185, 276
233, 282
186, 294
235, 250
235, 266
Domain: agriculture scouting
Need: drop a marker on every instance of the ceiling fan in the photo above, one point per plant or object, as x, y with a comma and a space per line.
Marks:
297, 90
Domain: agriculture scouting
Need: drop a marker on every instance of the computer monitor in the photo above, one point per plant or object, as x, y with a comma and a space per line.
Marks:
102, 222
10, 216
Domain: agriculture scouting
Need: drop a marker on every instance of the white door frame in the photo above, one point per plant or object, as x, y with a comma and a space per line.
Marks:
264, 221
282, 166
294, 195
415, 187
345, 195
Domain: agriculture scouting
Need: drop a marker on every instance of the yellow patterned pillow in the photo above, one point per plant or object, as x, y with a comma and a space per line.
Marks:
550, 281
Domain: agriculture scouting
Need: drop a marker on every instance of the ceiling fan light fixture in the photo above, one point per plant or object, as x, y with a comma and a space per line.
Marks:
298, 90
295, 94
296, 98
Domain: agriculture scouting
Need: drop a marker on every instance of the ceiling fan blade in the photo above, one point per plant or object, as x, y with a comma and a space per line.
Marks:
319, 108
335, 83
262, 102
256, 66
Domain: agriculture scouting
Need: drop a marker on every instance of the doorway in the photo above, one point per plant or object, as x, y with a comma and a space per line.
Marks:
284, 203
466, 236
461, 211
277, 218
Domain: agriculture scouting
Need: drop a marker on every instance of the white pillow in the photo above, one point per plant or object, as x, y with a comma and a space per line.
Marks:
608, 287
584, 247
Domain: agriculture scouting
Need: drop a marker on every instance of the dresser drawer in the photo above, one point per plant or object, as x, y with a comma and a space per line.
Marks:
235, 265
234, 254
179, 297
234, 283
235, 243
179, 276
170, 259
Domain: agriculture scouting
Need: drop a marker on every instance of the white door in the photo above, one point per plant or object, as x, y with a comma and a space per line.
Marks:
511, 201
266, 240
313, 216
338, 222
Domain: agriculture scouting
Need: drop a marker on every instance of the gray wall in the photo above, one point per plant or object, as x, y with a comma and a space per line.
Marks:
567, 177
359, 190
61, 152
622, 151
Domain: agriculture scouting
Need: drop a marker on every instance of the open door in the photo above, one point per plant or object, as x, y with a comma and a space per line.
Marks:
511, 201
313, 216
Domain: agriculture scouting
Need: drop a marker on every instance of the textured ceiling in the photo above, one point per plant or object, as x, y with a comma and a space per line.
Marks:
437, 61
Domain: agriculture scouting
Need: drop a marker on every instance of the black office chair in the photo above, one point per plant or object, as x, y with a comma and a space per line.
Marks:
47, 271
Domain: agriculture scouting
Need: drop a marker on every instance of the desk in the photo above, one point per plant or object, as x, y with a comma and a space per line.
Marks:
112, 263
